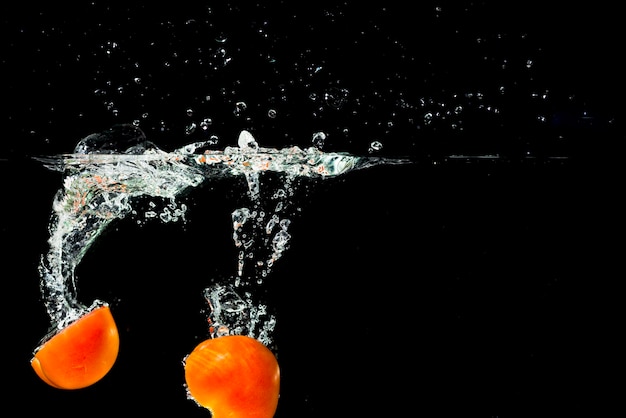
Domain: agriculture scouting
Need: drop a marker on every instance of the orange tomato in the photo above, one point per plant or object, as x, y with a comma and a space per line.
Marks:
234, 376
80, 354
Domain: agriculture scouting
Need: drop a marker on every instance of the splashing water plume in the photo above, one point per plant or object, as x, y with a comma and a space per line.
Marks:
110, 171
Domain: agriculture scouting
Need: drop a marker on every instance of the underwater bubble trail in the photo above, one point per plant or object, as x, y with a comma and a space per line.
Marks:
93, 195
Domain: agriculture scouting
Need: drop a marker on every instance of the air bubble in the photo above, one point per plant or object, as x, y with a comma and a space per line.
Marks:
190, 129
336, 97
318, 139
240, 107
375, 146
206, 122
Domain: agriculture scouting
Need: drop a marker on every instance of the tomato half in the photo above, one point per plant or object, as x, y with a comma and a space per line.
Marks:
234, 376
80, 354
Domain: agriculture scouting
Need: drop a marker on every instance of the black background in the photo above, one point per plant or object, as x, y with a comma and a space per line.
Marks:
452, 286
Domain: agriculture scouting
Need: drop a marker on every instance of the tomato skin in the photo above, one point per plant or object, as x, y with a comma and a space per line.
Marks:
234, 376
80, 354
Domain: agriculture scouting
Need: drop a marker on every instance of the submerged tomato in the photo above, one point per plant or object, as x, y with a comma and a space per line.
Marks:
80, 354
234, 376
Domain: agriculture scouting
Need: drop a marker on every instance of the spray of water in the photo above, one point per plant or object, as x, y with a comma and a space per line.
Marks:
109, 172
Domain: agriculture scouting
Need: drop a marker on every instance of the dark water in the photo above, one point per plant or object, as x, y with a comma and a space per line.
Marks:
471, 281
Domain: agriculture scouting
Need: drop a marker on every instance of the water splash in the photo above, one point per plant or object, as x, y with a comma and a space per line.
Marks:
108, 172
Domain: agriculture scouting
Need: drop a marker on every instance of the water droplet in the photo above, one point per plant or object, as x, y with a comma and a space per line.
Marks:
247, 141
